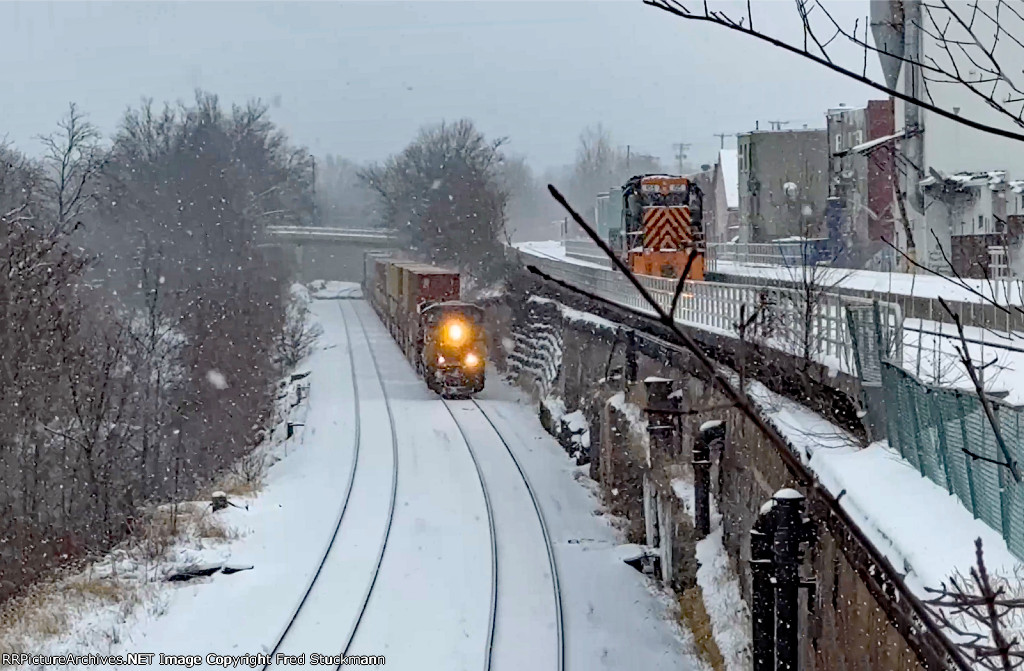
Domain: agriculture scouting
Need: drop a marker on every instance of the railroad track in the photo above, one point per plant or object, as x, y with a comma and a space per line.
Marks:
493, 538
301, 607
495, 565
391, 505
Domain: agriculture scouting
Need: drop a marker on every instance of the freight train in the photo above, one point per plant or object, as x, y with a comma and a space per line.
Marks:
441, 335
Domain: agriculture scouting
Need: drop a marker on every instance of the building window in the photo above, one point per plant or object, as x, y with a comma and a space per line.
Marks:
858, 138
839, 142
981, 222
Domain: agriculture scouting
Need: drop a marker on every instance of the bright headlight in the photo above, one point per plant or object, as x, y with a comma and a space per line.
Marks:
471, 360
455, 333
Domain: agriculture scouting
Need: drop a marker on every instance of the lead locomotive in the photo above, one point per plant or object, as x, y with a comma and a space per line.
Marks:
441, 335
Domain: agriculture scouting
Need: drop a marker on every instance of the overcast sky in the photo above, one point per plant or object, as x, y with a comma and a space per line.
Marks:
358, 79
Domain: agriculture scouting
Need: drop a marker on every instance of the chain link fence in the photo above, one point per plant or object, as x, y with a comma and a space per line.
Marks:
944, 432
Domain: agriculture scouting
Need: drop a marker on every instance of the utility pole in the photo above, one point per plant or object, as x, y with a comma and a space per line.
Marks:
722, 136
681, 149
313, 158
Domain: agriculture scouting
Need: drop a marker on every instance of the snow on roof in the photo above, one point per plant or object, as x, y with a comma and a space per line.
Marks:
865, 147
730, 176
994, 179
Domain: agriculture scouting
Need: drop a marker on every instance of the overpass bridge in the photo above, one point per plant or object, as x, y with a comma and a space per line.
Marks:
328, 253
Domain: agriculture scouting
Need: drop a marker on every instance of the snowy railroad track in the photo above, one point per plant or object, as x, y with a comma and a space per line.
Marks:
344, 502
492, 616
394, 492
333, 594
520, 560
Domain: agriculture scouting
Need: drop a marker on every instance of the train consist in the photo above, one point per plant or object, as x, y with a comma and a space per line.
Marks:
655, 224
443, 336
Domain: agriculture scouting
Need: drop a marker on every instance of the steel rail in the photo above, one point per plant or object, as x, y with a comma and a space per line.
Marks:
494, 540
559, 619
344, 504
391, 505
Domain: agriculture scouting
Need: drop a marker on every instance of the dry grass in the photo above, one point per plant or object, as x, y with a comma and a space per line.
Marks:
237, 487
695, 617
97, 588
49, 609
46, 610
208, 526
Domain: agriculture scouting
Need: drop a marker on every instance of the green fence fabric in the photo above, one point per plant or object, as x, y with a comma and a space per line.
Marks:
946, 435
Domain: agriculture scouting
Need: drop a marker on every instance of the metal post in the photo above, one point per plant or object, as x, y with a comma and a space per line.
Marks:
711, 434
789, 533
630, 372
290, 429
661, 409
762, 602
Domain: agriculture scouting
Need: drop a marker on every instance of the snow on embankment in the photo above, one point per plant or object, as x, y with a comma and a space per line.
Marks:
130, 600
720, 587
923, 530
329, 289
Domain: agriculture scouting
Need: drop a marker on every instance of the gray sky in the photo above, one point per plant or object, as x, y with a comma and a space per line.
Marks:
358, 79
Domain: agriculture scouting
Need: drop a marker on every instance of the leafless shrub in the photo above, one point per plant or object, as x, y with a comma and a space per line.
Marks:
298, 335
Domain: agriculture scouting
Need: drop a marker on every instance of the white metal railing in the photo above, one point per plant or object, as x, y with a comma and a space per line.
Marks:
795, 253
808, 324
323, 233
998, 264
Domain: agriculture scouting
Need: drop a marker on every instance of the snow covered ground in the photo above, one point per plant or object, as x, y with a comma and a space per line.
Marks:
554, 249
922, 284
614, 619
429, 605
720, 586
327, 289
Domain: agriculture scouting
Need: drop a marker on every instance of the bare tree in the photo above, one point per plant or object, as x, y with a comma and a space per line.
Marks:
445, 196
600, 164
980, 602
812, 299
298, 335
73, 160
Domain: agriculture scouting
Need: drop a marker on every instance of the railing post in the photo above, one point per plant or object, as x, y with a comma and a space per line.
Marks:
711, 435
762, 602
789, 533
